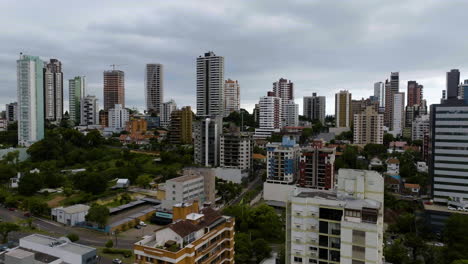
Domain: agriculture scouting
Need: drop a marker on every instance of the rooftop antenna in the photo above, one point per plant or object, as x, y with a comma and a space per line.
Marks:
116, 65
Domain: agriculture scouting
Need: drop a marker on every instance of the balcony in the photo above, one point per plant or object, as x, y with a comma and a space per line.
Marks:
335, 232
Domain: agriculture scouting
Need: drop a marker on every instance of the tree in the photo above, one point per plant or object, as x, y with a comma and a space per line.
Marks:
396, 253
73, 237
261, 248
98, 214
109, 243
37, 206
387, 138
6, 228
30, 183
144, 180
372, 150
92, 182
243, 248
94, 138
456, 237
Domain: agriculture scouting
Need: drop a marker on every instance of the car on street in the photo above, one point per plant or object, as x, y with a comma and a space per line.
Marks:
117, 261
451, 208
137, 227
142, 223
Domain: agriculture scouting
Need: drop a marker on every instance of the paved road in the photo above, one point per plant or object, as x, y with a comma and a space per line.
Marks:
252, 185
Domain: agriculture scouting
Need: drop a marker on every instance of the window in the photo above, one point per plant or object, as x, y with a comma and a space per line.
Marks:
359, 237
353, 213
297, 259
359, 252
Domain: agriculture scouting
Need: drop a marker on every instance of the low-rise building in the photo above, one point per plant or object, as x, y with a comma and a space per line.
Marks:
421, 166
71, 215
393, 166
236, 150
283, 161
204, 236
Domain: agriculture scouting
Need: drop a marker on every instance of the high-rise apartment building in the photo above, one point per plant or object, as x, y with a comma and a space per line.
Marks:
270, 112
392, 86
379, 93
283, 161
453, 80
231, 96
114, 89
368, 127
210, 85
207, 133
180, 130
30, 78
11, 112
284, 89
89, 111
203, 236
412, 112
136, 126
118, 118
53, 90
337, 226
316, 168
291, 114
154, 89
236, 150
398, 113
415, 93
165, 112
314, 107
420, 127
343, 109
449, 151
76, 92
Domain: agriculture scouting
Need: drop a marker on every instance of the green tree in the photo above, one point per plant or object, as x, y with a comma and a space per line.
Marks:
144, 180
73, 237
456, 237
92, 182
94, 138
6, 228
109, 243
372, 150
396, 253
98, 214
30, 183
261, 248
387, 138
243, 248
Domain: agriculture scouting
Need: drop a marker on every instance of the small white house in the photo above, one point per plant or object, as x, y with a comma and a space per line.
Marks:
70, 215
123, 183
421, 166
393, 166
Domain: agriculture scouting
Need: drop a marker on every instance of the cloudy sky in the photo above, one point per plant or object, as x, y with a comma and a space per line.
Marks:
322, 46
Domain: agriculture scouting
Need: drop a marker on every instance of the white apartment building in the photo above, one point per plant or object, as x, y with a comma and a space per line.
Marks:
231, 97
337, 226
3, 124
270, 112
118, 118
283, 161
71, 215
89, 111
207, 133
368, 127
165, 113
236, 150
154, 89
30, 100
420, 127
291, 115
210, 85
398, 118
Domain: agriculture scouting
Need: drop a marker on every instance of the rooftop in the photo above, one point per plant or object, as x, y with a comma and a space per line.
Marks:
349, 202
77, 208
185, 178
61, 244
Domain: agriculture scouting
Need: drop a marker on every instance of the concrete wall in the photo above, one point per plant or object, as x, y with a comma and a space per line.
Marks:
276, 192
232, 175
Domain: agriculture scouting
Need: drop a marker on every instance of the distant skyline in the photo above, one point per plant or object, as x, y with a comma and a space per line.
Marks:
320, 46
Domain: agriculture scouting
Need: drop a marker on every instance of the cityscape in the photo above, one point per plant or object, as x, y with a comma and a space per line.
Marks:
106, 173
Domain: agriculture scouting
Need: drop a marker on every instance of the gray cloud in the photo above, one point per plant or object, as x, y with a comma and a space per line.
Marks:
323, 46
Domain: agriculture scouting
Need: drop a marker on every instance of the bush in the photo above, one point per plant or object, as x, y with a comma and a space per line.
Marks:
73, 237
109, 243
125, 252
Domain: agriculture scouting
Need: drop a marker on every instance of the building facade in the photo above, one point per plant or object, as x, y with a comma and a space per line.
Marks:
415, 93
343, 109
398, 113
392, 86
118, 118
231, 96
317, 168
210, 85
30, 100
283, 161
53, 90
270, 112
420, 127
291, 114
453, 80
137, 126
180, 130
154, 89
114, 89
76, 92
368, 127
70, 215
207, 134
89, 111
11, 112
314, 107
236, 150
165, 113
337, 226
379, 93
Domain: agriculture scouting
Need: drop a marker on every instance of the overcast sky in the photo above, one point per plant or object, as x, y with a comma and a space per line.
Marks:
322, 46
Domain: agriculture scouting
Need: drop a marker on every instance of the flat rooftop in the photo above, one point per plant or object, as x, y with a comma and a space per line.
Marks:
350, 201
58, 243
21, 253
186, 178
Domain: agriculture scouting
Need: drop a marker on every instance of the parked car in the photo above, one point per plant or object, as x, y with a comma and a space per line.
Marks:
12, 209
137, 227
117, 261
142, 223
451, 208
460, 208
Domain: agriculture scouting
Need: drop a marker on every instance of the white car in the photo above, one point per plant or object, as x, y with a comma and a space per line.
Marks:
142, 223
451, 208
459, 208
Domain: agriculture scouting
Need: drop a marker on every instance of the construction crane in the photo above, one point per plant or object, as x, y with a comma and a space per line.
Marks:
116, 65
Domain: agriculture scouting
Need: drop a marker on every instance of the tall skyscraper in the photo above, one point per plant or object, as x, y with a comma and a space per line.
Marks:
368, 127
415, 93
89, 111
284, 89
11, 112
314, 107
53, 90
180, 130
165, 112
76, 92
154, 89
231, 96
463, 91
270, 112
379, 93
30, 99
114, 89
207, 133
453, 80
391, 87
210, 85
343, 109
398, 113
